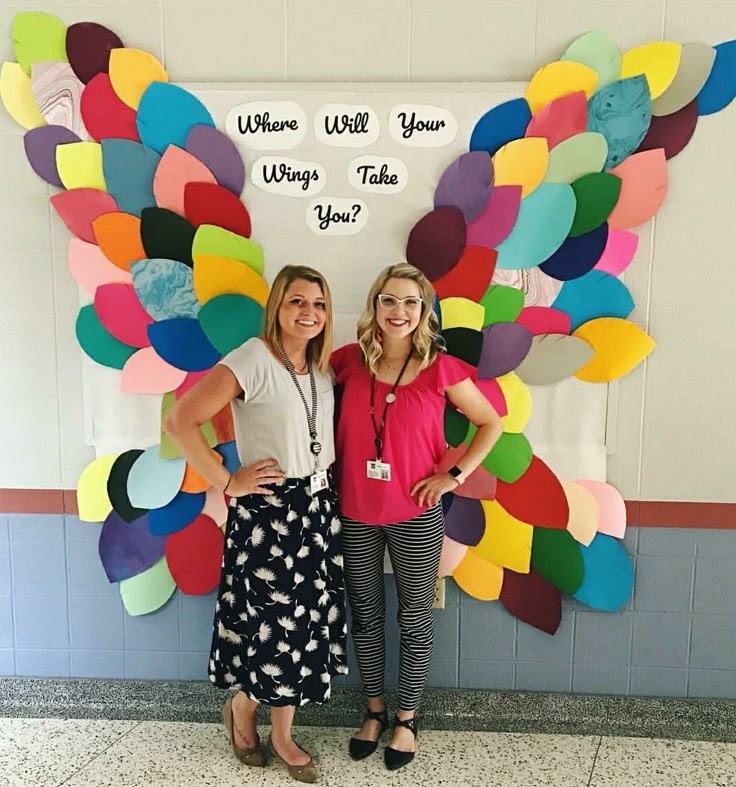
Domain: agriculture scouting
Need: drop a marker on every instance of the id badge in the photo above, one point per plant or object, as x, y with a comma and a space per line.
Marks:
381, 471
318, 481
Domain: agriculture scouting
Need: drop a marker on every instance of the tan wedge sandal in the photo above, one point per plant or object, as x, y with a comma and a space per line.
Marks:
256, 757
306, 773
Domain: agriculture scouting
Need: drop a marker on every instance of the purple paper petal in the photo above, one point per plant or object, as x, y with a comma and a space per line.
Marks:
497, 219
505, 345
465, 522
466, 184
128, 548
40, 144
218, 153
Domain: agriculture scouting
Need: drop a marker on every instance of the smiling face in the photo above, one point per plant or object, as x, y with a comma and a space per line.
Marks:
399, 319
302, 311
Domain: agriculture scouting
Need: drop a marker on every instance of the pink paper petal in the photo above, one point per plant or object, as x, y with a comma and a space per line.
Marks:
118, 309
544, 319
146, 373
91, 268
560, 119
189, 381
175, 170
620, 250
643, 189
215, 506
612, 520
497, 219
78, 208
492, 391
479, 485
452, 554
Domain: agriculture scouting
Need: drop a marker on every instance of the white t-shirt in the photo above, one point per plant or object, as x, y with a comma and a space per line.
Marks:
272, 422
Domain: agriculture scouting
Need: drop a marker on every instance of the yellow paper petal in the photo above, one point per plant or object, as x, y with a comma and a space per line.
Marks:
584, 513
658, 61
215, 275
507, 541
80, 165
518, 402
619, 346
522, 162
558, 79
479, 578
15, 91
148, 591
461, 313
92, 500
132, 71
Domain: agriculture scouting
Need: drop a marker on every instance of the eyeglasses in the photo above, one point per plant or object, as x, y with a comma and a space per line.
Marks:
388, 302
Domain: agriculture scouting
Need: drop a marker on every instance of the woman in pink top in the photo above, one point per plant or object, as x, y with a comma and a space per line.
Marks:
390, 438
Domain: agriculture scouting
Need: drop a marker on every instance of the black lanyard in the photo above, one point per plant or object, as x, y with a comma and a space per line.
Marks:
390, 397
314, 446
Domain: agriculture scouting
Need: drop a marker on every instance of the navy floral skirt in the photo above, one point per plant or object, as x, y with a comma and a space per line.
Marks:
279, 631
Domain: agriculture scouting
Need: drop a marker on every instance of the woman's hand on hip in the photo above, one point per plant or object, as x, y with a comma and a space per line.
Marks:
430, 490
251, 480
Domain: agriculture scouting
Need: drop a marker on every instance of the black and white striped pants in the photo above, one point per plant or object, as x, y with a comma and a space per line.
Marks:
414, 548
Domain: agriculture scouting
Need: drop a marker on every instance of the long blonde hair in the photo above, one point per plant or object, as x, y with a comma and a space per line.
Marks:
426, 339
320, 347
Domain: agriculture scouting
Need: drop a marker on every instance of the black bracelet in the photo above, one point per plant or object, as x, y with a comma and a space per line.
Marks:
224, 489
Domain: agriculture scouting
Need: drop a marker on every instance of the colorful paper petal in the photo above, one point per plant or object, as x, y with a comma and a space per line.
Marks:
194, 481
611, 506
594, 295
104, 114
229, 453
165, 289
88, 47
452, 554
15, 91
456, 426
57, 93
437, 241
120, 312
582, 524
658, 62
580, 155
147, 373
532, 599
619, 347
619, 252
596, 50
97, 343
215, 241
622, 112
215, 276
153, 482
465, 521
696, 64
117, 486
558, 79
522, 162
643, 189
505, 346
132, 71
556, 556
579, 253
182, 343
210, 203
177, 514
148, 591
502, 304
562, 118
672, 132
176, 169
128, 548
500, 125
464, 343
166, 115
497, 220
194, 556
38, 38
553, 358
91, 268
536, 497
218, 153
230, 320
93, 501
168, 448
129, 168
119, 237
507, 542
461, 313
479, 485
470, 278
166, 235
79, 165
466, 184
40, 145
509, 458
720, 88
609, 575
215, 506
493, 393
596, 196
479, 578
544, 319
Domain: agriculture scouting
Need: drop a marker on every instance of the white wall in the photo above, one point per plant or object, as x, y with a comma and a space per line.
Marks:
674, 432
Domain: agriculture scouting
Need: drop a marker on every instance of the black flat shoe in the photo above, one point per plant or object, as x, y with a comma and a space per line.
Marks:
394, 758
359, 749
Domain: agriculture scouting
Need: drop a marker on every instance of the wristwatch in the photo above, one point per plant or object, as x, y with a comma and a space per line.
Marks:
457, 474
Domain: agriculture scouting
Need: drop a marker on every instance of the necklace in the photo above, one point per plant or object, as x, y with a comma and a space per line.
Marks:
389, 368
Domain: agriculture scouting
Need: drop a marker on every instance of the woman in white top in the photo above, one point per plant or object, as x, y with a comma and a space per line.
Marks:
279, 630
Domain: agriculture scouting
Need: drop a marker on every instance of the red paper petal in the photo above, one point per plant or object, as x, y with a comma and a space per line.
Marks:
88, 46
471, 277
537, 497
544, 319
208, 203
560, 119
191, 379
436, 242
104, 114
194, 556
532, 599
78, 208
119, 310
479, 485
492, 391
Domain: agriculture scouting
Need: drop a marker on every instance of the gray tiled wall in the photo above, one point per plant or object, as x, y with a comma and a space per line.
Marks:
677, 637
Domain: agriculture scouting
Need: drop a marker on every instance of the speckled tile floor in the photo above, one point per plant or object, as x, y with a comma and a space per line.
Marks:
55, 752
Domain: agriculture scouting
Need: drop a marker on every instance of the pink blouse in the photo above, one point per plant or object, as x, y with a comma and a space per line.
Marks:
413, 439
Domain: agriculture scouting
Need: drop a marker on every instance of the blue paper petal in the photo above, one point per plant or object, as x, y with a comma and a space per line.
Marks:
177, 514
597, 294
153, 481
720, 88
165, 288
609, 575
437, 311
128, 168
128, 548
577, 255
622, 112
166, 115
500, 125
229, 453
182, 343
545, 219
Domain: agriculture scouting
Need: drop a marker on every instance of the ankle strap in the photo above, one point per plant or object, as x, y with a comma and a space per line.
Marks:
410, 724
377, 715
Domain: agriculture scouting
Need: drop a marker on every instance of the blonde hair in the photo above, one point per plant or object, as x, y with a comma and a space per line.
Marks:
425, 338
320, 347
